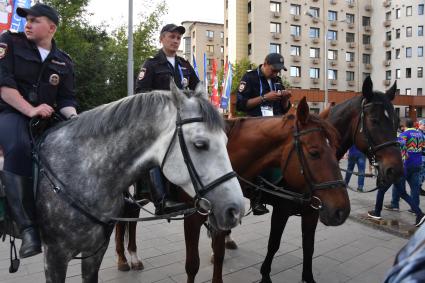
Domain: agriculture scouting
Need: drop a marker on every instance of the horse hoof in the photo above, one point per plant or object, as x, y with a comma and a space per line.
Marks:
231, 245
137, 266
123, 266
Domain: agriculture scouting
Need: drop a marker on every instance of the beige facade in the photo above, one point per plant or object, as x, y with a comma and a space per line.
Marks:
200, 38
358, 40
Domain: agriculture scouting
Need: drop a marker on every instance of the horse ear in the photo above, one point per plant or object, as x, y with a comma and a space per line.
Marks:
303, 112
200, 91
391, 92
367, 89
177, 96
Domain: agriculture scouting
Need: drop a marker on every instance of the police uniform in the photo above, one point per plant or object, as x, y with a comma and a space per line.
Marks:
50, 82
156, 72
254, 84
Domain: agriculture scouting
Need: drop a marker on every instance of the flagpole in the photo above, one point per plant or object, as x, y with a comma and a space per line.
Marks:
130, 63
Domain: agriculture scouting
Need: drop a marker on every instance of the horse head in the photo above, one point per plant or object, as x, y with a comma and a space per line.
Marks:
376, 132
197, 160
310, 163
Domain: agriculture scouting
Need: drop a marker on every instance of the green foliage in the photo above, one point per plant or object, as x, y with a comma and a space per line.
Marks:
239, 69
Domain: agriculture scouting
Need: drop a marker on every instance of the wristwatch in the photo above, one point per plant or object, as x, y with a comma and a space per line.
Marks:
263, 99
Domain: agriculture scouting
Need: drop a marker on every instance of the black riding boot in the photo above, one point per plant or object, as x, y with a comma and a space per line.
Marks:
163, 205
258, 208
20, 198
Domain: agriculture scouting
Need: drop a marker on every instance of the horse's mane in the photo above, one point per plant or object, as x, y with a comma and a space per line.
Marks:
118, 114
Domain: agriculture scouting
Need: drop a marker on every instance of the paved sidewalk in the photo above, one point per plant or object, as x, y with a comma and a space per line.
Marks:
353, 252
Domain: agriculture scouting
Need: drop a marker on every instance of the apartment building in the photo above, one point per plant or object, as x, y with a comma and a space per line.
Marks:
383, 39
200, 38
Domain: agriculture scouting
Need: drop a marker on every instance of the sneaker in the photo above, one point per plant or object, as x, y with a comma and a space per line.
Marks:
420, 219
373, 215
391, 207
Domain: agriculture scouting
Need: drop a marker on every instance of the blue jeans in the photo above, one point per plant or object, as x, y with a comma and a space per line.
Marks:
400, 188
413, 178
360, 160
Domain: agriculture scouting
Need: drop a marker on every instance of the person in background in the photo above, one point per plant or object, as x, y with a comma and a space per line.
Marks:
421, 128
356, 157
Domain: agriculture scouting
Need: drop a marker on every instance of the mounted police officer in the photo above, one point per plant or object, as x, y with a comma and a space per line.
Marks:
261, 93
36, 79
155, 74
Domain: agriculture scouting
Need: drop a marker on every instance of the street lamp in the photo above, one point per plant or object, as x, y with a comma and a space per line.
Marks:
325, 40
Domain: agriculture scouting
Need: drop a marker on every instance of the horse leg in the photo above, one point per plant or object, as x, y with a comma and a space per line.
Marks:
218, 243
230, 243
192, 228
308, 226
119, 246
90, 266
278, 223
55, 264
136, 263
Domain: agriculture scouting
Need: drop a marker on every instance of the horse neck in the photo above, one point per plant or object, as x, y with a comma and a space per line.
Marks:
256, 144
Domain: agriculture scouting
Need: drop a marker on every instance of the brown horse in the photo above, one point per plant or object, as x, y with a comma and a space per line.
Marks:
309, 168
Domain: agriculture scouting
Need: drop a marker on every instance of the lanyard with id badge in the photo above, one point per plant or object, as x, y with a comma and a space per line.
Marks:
266, 110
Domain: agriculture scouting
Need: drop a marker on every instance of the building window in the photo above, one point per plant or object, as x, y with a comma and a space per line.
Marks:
349, 56
209, 33
314, 52
408, 31
249, 49
295, 71
314, 73
420, 72
249, 28
221, 49
418, 111
397, 73
295, 30
388, 55
350, 18
408, 91
295, 50
408, 11
388, 16
349, 37
221, 35
366, 39
275, 7
227, 41
419, 92
397, 33
420, 30
187, 44
397, 53
332, 16
332, 35
408, 52
332, 74
193, 49
249, 7
332, 54
388, 35
408, 73
420, 9
314, 33
365, 21
193, 35
274, 48
397, 13
349, 76
315, 11
295, 9
366, 58
210, 48
420, 51
388, 75
275, 27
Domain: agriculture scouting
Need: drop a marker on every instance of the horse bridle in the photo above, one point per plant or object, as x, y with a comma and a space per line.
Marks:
305, 169
200, 189
372, 149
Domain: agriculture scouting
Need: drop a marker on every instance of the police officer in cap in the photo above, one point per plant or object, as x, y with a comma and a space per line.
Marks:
155, 74
36, 79
261, 93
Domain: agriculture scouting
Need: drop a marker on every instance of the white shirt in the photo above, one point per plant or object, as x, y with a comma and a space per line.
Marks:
172, 61
43, 53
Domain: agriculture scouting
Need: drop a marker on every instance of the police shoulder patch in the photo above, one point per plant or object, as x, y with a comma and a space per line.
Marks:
141, 74
242, 85
3, 50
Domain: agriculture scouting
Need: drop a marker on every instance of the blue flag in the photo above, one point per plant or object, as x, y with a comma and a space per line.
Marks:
195, 66
205, 73
18, 23
227, 89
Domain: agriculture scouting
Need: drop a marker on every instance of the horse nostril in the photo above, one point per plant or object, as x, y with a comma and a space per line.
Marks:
340, 215
233, 213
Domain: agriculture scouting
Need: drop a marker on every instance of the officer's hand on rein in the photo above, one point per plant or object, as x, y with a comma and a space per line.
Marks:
272, 96
43, 110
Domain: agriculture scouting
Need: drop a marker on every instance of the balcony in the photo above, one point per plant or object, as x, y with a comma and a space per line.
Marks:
296, 17
368, 66
276, 35
351, 83
315, 40
351, 4
368, 46
210, 38
387, 82
351, 64
333, 82
387, 3
295, 58
334, 42
333, 62
352, 44
368, 8
333, 2
315, 61
296, 80
276, 14
333, 23
387, 23
296, 37
387, 63
367, 28
351, 25
315, 20
315, 81
387, 43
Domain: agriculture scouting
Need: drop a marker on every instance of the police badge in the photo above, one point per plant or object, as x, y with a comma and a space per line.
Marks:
3, 50
141, 74
242, 86
54, 79
185, 82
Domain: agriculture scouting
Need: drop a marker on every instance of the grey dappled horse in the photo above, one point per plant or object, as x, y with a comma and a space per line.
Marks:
99, 155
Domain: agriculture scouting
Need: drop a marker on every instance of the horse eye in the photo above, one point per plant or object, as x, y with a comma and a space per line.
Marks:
374, 121
201, 144
314, 154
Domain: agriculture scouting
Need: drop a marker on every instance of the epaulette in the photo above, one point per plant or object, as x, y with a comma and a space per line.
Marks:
66, 54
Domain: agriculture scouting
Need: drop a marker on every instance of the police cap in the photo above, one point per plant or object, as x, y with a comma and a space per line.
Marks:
276, 60
173, 28
39, 10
